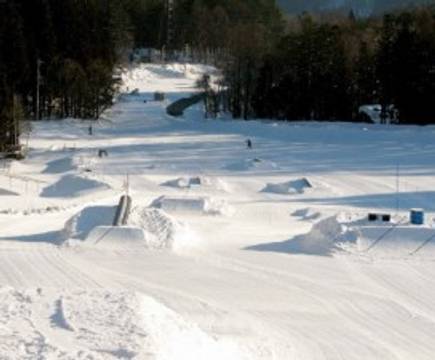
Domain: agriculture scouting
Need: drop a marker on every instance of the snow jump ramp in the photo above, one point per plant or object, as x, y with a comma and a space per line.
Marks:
119, 236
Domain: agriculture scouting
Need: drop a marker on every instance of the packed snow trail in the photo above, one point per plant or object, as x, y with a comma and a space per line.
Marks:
224, 269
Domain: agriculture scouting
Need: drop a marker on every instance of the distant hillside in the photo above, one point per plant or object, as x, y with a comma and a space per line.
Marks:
363, 7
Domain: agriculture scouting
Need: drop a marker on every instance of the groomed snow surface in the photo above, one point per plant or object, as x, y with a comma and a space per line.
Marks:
228, 252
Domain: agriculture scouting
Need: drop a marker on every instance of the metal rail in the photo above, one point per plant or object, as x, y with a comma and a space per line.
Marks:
122, 211
385, 234
427, 241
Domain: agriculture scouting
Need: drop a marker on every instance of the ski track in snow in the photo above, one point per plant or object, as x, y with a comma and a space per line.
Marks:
220, 286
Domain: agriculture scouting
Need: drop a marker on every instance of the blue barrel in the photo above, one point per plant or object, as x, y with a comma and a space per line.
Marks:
417, 216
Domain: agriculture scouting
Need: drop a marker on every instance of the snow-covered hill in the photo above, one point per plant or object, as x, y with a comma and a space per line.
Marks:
229, 253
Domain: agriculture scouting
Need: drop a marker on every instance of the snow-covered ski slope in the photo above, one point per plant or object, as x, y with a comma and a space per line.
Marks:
239, 258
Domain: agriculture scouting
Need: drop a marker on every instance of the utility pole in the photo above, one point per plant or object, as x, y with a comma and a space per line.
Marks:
397, 189
38, 84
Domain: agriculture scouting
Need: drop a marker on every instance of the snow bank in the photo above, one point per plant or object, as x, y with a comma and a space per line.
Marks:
73, 186
291, 187
164, 232
197, 181
193, 205
99, 324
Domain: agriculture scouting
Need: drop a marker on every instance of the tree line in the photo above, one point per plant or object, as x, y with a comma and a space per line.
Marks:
326, 67
313, 67
57, 58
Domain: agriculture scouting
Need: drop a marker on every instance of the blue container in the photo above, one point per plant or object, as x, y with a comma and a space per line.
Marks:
417, 216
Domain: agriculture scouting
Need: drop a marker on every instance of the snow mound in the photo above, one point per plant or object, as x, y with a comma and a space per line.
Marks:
99, 324
307, 214
198, 181
252, 164
73, 186
291, 187
193, 205
81, 224
397, 239
325, 237
148, 228
359, 236
59, 166
164, 231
